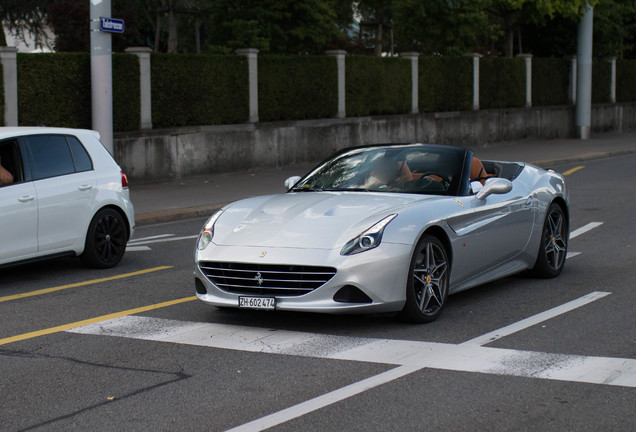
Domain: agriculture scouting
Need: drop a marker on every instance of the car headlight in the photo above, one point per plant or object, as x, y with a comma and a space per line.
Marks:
205, 237
369, 239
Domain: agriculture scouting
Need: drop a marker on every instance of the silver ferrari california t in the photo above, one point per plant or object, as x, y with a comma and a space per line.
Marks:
384, 228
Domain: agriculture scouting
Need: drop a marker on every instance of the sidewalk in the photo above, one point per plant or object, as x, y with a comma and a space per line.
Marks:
201, 196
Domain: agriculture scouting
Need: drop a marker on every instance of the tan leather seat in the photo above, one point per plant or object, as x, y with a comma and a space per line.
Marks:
477, 171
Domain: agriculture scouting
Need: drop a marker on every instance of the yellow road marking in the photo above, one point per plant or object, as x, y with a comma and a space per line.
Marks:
64, 327
573, 170
78, 284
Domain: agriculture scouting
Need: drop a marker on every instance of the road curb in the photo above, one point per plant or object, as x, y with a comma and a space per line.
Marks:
547, 163
177, 214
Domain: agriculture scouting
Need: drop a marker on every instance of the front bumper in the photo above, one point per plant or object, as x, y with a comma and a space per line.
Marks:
380, 273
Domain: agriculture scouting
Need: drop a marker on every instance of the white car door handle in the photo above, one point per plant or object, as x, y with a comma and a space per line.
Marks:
26, 198
85, 187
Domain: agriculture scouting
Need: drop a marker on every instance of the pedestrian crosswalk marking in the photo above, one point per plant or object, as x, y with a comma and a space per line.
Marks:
469, 358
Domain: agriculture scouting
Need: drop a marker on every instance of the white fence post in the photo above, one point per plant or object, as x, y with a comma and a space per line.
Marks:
528, 63
340, 60
413, 56
612, 62
8, 58
475, 57
143, 54
252, 67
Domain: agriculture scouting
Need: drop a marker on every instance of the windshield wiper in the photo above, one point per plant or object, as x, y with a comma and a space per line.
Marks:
307, 189
315, 189
356, 190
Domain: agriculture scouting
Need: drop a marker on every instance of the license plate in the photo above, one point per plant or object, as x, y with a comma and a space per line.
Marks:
257, 303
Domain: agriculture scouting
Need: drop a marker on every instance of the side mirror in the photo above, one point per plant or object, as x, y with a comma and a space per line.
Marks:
494, 186
291, 182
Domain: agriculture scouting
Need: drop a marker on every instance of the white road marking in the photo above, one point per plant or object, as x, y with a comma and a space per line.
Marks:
138, 240
163, 240
535, 319
585, 229
135, 245
134, 248
578, 232
466, 358
409, 356
325, 400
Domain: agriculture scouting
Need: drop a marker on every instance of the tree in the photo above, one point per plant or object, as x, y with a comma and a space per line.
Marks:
447, 27
277, 26
69, 20
509, 14
24, 16
615, 28
614, 32
376, 15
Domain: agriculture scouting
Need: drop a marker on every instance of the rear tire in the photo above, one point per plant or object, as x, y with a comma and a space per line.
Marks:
105, 240
428, 280
554, 244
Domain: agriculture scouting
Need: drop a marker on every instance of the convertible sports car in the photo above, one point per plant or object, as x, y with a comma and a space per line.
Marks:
384, 228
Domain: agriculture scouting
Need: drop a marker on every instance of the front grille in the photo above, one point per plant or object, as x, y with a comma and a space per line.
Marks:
280, 280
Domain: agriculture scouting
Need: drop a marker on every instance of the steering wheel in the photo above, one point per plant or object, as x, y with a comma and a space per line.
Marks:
445, 180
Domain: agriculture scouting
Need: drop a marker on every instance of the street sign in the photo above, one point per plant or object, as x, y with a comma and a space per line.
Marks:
111, 25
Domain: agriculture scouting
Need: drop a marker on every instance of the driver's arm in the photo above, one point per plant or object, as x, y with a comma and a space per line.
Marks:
5, 176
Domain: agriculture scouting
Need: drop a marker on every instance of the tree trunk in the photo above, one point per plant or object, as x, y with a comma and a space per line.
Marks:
378, 40
157, 32
197, 34
172, 31
3, 40
509, 44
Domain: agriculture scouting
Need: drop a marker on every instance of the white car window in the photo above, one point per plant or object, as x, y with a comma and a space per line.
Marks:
80, 156
50, 156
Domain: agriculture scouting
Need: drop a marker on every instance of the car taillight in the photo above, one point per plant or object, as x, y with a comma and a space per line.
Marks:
124, 180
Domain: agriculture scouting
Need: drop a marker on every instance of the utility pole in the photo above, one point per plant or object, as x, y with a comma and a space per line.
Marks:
583, 111
101, 74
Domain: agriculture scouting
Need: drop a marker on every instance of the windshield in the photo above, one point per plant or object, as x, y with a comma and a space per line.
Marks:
415, 168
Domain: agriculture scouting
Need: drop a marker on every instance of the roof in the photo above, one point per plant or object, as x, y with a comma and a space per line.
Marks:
13, 131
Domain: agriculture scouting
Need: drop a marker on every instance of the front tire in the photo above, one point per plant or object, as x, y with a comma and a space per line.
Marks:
105, 240
554, 243
428, 280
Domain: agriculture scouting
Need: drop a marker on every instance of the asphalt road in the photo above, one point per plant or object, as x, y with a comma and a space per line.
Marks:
167, 362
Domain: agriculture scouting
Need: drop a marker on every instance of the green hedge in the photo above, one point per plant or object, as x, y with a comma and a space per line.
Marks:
376, 85
437, 91
601, 81
55, 90
297, 87
550, 81
191, 89
126, 93
625, 80
502, 83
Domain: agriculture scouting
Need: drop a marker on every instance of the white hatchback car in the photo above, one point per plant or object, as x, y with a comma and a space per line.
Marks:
61, 194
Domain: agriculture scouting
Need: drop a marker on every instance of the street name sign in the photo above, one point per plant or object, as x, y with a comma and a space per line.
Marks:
112, 25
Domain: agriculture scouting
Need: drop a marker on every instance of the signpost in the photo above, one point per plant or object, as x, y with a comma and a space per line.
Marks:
101, 69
